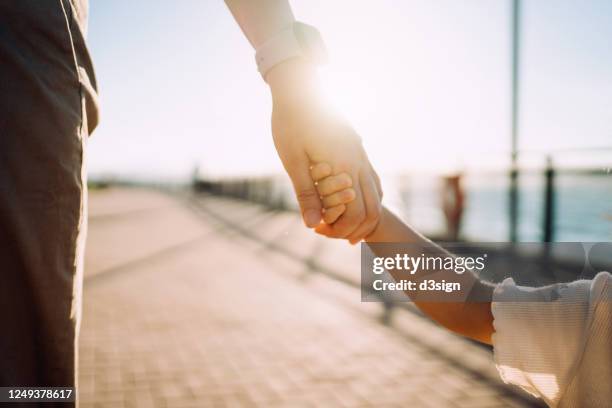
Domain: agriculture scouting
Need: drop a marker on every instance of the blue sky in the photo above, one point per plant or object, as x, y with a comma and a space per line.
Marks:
425, 82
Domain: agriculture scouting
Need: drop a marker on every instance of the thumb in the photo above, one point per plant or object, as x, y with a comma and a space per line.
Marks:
305, 191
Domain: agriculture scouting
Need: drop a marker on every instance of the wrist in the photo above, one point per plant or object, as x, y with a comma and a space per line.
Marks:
378, 234
291, 77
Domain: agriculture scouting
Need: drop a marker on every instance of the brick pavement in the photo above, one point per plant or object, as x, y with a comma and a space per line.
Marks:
216, 303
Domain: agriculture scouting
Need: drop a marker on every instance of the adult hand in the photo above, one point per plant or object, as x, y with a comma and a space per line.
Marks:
306, 132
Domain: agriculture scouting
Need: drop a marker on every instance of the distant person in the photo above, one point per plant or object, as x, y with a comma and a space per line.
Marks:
48, 109
453, 204
559, 350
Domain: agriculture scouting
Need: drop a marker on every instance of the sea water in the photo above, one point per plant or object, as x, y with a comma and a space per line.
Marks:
583, 206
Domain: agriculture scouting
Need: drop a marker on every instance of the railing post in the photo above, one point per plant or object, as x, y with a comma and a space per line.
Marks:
549, 202
513, 204
514, 194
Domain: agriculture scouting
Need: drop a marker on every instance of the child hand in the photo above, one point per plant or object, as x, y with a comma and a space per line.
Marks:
335, 191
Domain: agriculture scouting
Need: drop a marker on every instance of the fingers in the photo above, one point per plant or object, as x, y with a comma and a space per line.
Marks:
359, 218
341, 197
328, 185
325, 230
330, 215
334, 184
333, 190
352, 217
320, 170
373, 207
305, 190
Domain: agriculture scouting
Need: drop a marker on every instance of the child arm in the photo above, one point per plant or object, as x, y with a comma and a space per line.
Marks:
472, 318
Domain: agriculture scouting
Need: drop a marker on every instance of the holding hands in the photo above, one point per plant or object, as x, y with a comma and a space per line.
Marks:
306, 131
336, 192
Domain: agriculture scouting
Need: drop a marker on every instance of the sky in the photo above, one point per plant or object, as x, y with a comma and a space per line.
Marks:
426, 83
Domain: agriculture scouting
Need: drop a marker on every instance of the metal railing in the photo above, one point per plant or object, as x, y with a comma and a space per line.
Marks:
275, 193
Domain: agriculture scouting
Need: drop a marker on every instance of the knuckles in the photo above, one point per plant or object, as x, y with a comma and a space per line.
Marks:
348, 195
345, 181
304, 196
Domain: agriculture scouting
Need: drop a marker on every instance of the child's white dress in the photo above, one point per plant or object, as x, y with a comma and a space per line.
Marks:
556, 341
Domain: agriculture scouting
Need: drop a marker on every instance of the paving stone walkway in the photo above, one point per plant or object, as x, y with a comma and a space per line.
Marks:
208, 302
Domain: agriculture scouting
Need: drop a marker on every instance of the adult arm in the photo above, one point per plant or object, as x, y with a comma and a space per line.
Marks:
305, 131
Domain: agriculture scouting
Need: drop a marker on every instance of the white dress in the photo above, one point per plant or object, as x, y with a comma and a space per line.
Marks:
555, 342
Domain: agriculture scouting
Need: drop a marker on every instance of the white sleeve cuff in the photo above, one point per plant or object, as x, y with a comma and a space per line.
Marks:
540, 334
